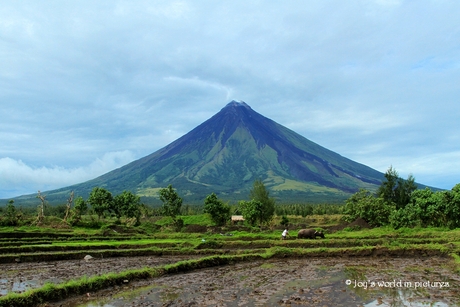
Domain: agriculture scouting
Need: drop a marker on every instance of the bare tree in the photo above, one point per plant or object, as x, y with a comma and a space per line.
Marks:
69, 206
41, 209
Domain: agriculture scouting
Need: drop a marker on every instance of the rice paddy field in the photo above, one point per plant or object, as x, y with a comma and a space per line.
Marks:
230, 266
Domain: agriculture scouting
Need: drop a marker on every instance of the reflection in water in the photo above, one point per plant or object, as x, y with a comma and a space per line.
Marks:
393, 291
402, 300
18, 287
158, 296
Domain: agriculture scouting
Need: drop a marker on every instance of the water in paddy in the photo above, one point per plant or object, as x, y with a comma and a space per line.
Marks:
378, 282
7, 286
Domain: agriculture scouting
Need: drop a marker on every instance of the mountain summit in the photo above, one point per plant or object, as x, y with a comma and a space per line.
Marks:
226, 153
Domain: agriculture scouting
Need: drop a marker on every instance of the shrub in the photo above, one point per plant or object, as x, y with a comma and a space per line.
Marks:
219, 212
284, 221
374, 210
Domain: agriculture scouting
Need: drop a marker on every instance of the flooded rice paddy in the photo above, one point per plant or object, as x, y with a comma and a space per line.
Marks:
334, 282
19, 277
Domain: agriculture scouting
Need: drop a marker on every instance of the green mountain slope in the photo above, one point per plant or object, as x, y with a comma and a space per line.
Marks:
226, 153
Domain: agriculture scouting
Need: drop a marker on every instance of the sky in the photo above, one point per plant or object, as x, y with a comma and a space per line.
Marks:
89, 86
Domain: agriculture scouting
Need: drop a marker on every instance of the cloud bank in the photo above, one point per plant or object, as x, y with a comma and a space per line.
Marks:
22, 178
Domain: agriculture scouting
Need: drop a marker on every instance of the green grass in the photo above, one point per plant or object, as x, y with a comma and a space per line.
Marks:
387, 232
201, 219
456, 261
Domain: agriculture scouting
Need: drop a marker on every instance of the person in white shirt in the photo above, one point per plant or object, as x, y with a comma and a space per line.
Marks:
284, 234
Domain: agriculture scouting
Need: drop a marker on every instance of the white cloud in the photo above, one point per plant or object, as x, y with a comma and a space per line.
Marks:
18, 177
198, 83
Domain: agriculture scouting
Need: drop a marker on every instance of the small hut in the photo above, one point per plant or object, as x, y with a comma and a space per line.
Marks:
237, 218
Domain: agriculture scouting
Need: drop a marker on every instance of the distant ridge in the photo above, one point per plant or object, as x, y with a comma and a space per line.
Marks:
226, 153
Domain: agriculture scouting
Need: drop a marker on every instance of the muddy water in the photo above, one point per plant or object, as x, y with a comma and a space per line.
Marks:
367, 282
19, 277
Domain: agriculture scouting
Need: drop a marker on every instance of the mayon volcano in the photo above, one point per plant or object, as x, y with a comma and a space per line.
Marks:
227, 153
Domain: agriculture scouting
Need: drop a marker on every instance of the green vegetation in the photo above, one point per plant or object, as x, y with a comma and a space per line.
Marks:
172, 204
284, 221
12, 216
259, 193
398, 204
219, 212
127, 204
79, 209
395, 190
260, 208
101, 200
372, 209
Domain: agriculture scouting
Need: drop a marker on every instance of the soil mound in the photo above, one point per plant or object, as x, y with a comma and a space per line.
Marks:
332, 229
359, 223
120, 230
196, 228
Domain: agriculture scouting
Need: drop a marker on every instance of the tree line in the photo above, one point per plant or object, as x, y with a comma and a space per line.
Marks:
259, 209
308, 209
398, 203
128, 206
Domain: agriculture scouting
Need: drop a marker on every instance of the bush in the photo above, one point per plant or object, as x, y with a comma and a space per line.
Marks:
405, 217
374, 210
452, 201
284, 221
219, 212
178, 224
428, 209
